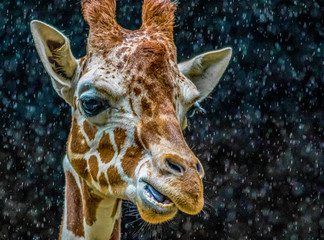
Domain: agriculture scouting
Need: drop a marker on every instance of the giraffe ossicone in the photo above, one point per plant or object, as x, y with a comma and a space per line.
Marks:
129, 99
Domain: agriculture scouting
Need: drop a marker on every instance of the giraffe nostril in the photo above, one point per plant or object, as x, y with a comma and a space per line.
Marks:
175, 167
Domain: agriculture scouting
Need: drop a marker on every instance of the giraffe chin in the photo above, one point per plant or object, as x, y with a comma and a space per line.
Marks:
152, 208
150, 216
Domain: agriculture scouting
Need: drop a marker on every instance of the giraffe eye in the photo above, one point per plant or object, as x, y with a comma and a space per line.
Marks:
93, 106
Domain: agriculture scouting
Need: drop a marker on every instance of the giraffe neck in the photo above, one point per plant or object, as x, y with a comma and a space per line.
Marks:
87, 215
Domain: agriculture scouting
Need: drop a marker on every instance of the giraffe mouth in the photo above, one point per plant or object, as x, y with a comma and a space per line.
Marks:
153, 206
156, 197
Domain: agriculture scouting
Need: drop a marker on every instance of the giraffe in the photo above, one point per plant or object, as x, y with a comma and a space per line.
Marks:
129, 98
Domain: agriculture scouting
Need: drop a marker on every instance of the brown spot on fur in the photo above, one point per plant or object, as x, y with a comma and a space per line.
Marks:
116, 231
116, 182
121, 51
120, 137
80, 166
140, 80
139, 67
131, 159
146, 107
105, 148
78, 142
103, 181
94, 167
91, 203
137, 91
74, 206
108, 60
89, 129
120, 65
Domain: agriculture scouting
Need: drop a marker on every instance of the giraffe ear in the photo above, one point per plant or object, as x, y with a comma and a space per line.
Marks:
55, 52
206, 69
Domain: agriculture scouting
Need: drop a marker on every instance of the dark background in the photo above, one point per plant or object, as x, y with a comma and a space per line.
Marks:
261, 141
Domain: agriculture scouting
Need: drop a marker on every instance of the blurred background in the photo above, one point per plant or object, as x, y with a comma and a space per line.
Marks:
261, 141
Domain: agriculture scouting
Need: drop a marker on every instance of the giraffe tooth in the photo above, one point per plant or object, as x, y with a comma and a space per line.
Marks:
167, 201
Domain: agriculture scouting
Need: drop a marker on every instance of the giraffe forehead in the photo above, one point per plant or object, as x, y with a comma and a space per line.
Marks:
137, 47
142, 71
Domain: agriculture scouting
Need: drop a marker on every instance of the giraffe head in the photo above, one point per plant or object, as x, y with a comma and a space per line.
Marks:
129, 100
